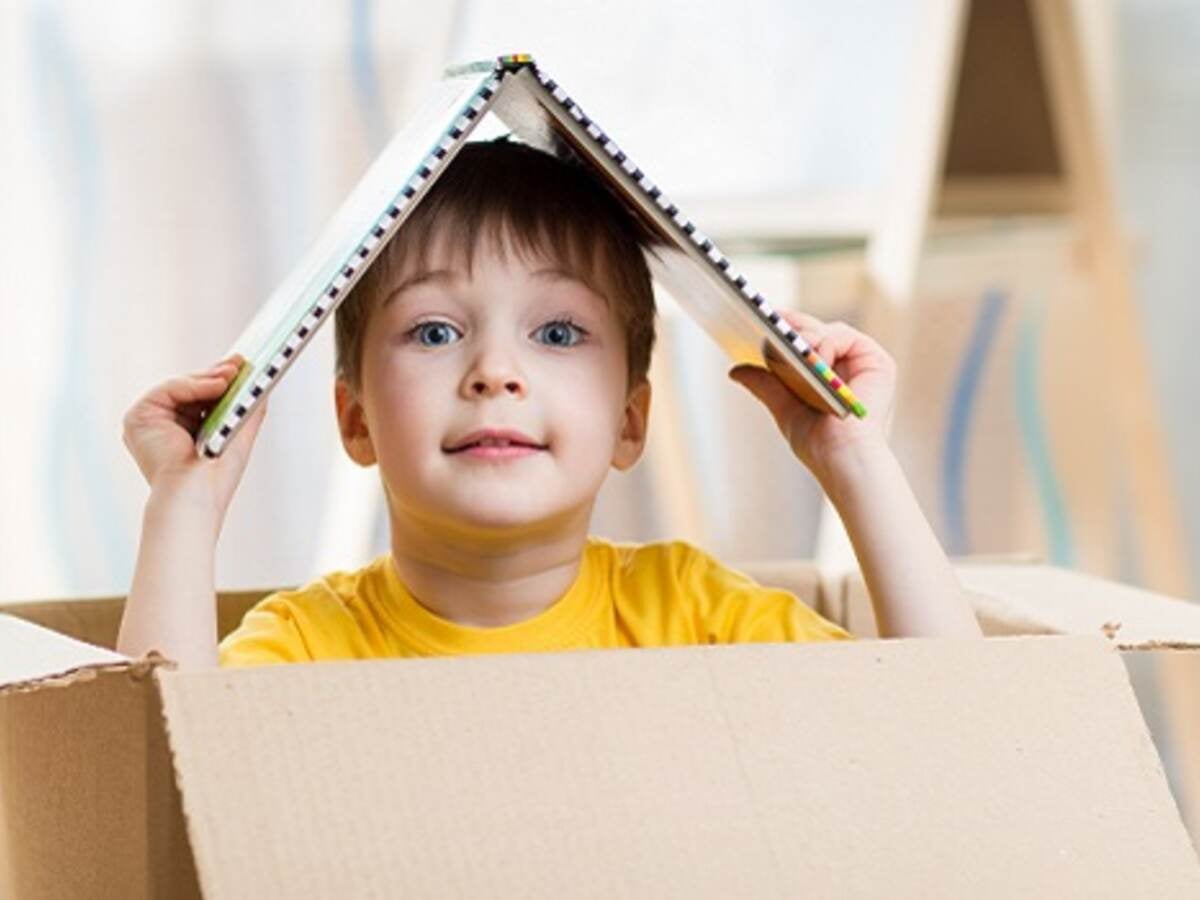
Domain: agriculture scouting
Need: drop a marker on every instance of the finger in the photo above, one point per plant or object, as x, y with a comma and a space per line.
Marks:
242, 442
769, 390
810, 328
850, 351
218, 368
191, 415
832, 341
802, 321
839, 341
185, 389
185, 396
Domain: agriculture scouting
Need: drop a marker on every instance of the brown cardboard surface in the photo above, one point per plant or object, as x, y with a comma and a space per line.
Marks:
89, 803
1040, 599
849, 769
83, 814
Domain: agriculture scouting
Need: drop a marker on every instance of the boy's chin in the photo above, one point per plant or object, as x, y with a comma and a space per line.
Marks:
509, 523
515, 520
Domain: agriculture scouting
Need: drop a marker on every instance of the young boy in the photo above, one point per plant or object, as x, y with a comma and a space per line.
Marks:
492, 363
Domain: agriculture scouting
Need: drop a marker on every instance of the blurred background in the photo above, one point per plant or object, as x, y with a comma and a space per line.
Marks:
1011, 220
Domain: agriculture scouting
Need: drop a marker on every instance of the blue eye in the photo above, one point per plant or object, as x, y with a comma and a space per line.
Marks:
558, 333
561, 333
434, 334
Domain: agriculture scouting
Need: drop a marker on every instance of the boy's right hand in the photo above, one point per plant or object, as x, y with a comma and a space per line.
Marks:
159, 428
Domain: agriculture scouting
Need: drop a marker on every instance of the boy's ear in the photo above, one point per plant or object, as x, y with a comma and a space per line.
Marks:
632, 439
352, 424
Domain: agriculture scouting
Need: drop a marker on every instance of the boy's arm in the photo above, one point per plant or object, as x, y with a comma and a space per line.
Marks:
912, 586
171, 606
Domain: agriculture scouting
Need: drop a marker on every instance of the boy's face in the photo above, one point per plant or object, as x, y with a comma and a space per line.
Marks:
517, 347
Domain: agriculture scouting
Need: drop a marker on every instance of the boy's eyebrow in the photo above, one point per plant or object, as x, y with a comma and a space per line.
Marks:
449, 275
565, 275
425, 277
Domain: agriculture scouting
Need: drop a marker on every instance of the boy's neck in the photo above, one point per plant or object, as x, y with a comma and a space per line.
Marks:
487, 584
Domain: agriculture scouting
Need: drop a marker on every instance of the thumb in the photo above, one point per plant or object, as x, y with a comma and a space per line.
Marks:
769, 390
242, 442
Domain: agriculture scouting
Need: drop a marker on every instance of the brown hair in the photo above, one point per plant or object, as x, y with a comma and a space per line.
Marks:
539, 205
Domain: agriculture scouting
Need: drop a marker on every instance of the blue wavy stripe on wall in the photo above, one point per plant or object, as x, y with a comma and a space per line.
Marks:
958, 422
1034, 440
65, 122
366, 75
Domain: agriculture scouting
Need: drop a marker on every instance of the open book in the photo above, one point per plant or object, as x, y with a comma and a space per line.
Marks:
539, 113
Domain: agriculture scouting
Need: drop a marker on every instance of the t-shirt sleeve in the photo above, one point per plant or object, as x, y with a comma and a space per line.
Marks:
268, 634
736, 609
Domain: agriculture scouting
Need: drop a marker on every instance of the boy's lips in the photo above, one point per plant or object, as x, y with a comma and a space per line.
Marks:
483, 451
495, 443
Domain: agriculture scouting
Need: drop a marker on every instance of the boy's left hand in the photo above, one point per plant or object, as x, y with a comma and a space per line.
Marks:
820, 439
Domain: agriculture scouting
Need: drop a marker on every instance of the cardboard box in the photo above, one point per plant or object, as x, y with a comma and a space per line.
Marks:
1016, 766
1030, 598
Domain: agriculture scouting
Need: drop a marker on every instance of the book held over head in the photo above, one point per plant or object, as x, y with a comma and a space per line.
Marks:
540, 113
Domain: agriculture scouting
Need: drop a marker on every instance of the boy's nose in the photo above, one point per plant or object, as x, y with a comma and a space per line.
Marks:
483, 386
489, 378
494, 370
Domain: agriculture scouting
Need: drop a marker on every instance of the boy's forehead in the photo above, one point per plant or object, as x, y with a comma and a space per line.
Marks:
455, 272
451, 252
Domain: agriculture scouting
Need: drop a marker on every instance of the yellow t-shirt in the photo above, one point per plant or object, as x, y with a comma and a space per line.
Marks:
626, 595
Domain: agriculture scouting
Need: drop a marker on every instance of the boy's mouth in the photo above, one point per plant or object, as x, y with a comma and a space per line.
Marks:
480, 451
495, 442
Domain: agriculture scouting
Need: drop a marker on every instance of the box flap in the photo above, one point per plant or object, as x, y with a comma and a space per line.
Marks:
96, 620
88, 804
1016, 599
1047, 599
30, 654
1013, 767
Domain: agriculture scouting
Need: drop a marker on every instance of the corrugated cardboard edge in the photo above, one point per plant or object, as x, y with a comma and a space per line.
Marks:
201, 863
137, 669
1159, 645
